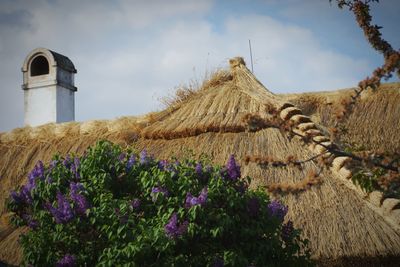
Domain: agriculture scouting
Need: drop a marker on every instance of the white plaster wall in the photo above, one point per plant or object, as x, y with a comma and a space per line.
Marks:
40, 105
65, 105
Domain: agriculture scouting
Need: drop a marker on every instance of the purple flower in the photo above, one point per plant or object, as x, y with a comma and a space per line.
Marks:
276, 209
67, 162
74, 168
253, 207
144, 159
199, 170
16, 197
37, 172
287, 230
81, 204
135, 204
67, 261
233, 170
163, 165
33, 224
193, 201
172, 229
75, 187
156, 190
218, 262
49, 180
77, 162
130, 163
25, 194
121, 157
63, 213
31, 184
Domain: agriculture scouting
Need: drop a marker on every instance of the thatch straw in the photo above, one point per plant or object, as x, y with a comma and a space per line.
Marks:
379, 108
343, 226
66, 129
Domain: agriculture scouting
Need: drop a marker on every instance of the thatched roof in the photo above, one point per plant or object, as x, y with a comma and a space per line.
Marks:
380, 109
344, 225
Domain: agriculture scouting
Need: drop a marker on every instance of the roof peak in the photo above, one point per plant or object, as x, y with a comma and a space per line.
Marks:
236, 61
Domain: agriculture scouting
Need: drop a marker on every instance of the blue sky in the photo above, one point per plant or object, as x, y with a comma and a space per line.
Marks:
129, 53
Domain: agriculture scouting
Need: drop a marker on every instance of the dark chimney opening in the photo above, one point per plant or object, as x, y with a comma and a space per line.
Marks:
39, 66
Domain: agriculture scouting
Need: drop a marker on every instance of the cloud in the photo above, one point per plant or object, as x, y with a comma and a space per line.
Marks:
129, 54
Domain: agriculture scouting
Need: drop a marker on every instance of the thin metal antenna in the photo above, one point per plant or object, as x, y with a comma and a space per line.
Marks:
251, 57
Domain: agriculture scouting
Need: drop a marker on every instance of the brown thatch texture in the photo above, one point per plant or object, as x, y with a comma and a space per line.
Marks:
375, 122
341, 225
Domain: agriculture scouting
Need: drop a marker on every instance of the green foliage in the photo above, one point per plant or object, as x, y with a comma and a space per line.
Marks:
112, 207
367, 179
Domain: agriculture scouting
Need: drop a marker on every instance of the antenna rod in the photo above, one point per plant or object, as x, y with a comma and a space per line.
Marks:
251, 57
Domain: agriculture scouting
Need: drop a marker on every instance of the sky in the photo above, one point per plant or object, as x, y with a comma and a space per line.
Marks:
131, 53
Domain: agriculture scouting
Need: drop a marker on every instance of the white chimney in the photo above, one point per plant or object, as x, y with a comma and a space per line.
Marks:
48, 84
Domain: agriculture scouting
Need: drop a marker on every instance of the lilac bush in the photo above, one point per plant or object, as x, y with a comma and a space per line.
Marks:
114, 207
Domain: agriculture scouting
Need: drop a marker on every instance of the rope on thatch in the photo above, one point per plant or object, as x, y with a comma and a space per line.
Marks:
388, 208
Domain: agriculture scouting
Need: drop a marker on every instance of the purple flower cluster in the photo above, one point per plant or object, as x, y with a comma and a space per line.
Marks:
72, 165
63, 213
156, 190
172, 229
32, 223
67, 162
199, 170
253, 207
37, 172
232, 169
193, 201
67, 261
24, 195
16, 197
144, 158
287, 230
163, 165
81, 204
135, 204
130, 163
74, 168
277, 209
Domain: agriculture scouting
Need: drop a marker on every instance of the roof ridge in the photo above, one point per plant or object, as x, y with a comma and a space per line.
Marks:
387, 208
